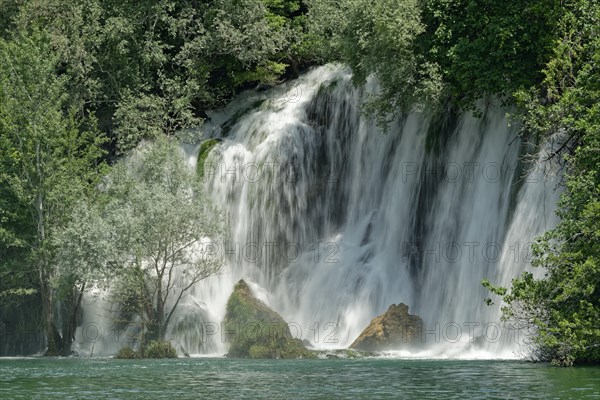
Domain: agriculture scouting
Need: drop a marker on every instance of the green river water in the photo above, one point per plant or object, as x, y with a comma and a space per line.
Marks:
72, 378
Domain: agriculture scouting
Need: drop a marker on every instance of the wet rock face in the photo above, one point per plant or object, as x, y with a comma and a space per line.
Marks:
256, 331
395, 329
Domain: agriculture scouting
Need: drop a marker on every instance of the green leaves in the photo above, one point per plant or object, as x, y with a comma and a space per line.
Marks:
146, 236
44, 156
381, 39
564, 306
426, 52
49, 159
155, 66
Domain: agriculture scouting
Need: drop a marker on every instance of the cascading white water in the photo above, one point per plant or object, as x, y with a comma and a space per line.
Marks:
332, 220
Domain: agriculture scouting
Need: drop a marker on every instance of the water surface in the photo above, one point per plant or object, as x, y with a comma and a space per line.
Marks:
74, 378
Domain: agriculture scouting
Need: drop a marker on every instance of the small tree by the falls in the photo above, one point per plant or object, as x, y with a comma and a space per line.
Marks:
148, 238
163, 215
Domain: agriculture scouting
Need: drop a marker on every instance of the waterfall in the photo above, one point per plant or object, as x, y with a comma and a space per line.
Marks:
332, 219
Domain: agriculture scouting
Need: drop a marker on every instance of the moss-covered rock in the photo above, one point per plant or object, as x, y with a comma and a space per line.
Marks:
256, 331
393, 330
205, 149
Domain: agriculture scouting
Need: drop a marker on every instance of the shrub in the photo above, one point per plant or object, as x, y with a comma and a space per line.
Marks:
160, 349
126, 353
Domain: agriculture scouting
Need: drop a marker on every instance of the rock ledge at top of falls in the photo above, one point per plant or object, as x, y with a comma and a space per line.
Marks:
395, 329
256, 331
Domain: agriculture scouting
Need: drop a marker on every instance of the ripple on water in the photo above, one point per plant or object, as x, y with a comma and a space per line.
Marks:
285, 379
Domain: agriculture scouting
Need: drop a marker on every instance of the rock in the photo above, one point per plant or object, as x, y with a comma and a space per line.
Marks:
393, 330
256, 331
205, 148
344, 354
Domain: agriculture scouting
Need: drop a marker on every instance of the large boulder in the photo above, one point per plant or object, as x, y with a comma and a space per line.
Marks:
393, 330
256, 331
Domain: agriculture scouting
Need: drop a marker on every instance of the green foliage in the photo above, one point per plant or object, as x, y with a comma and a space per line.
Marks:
323, 26
126, 353
381, 39
486, 47
564, 305
154, 66
145, 237
160, 349
154, 349
424, 53
147, 116
18, 292
567, 98
49, 159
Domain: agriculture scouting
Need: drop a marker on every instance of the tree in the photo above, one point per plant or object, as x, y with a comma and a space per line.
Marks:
381, 39
431, 52
488, 47
152, 67
147, 236
49, 160
563, 307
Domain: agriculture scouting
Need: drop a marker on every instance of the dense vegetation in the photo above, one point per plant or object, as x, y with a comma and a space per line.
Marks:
154, 349
564, 306
84, 81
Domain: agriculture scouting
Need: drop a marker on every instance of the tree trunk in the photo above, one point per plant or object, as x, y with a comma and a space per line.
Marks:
73, 305
160, 313
47, 295
51, 332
